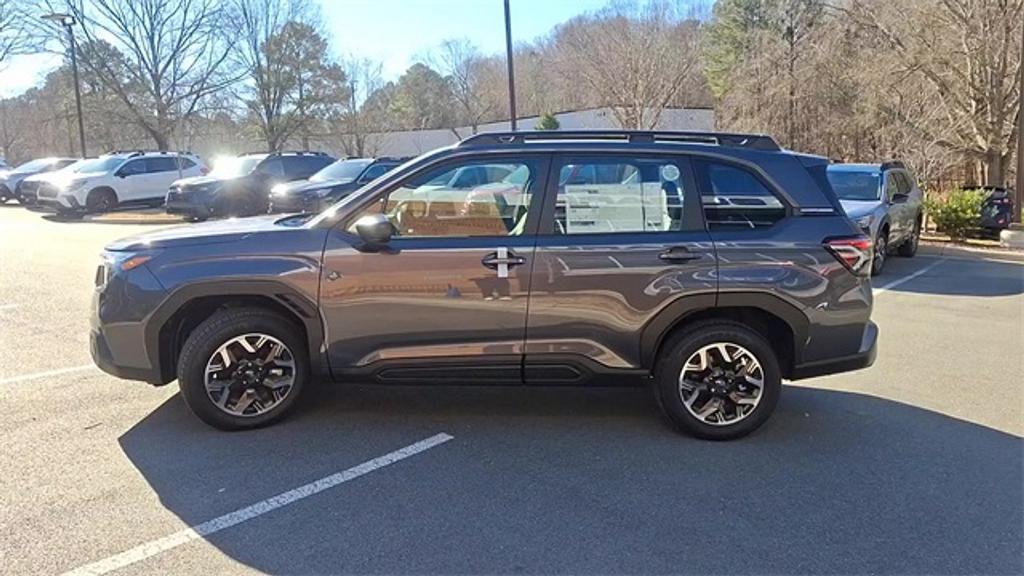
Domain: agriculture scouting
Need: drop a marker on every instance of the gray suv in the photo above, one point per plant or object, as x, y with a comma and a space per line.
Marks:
884, 201
708, 266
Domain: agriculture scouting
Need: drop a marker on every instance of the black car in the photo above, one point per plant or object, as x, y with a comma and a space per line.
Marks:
706, 266
241, 186
330, 184
996, 210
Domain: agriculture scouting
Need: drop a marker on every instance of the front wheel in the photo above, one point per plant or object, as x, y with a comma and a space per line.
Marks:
5, 194
909, 246
881, 252
718, 381
100, 201
242, 368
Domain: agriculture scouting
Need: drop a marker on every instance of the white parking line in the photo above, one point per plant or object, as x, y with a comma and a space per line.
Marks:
47, 374
8, 306
159, 546
907, 278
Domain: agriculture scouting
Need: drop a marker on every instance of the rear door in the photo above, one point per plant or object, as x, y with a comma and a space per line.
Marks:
621, 248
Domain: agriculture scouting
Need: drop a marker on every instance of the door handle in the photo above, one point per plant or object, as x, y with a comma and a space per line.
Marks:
502, 260
678, 254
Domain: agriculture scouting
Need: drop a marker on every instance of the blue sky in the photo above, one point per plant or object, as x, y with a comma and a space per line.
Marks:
394, 32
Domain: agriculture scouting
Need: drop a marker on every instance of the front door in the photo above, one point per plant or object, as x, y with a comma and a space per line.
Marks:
446, 299
622, 251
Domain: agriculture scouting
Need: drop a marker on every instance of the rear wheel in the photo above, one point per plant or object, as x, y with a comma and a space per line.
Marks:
101, 200
719, 380
909, 246
242, 368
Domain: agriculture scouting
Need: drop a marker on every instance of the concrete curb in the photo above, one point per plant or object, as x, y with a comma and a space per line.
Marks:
948, 250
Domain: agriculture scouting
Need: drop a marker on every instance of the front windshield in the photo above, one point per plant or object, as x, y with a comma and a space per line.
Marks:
34, 165
850, 185
234, 167
96, 164
343, 170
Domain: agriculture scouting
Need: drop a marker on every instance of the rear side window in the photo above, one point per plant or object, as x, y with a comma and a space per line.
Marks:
160, 165
133, 167
272, 167
619, 195
735, 199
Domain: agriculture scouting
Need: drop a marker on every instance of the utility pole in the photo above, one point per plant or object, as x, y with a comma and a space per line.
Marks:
68, 21
511, 68
1019, 193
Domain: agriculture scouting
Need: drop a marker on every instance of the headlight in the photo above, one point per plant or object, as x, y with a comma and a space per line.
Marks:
279, 190
74, 185
864, 221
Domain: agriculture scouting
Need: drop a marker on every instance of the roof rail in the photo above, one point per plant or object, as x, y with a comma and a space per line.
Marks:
140, 151
752, 141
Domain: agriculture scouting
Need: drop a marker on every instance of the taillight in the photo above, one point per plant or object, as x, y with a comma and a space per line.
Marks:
854, 252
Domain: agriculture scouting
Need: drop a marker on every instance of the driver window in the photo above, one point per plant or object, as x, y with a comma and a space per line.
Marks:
132, 168
464, 200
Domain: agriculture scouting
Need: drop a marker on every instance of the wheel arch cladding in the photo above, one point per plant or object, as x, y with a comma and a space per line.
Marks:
188, 306
782, 324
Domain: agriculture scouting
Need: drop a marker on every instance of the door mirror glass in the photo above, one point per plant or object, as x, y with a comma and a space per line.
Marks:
375, 229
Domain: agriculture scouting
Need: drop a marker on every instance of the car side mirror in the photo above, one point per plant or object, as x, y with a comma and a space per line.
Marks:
120, 174
375, 229
900, 198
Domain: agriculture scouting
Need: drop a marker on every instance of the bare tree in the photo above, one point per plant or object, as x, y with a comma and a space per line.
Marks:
634, 58
357, 122
965, 53
20, 31
175, 54
461, 64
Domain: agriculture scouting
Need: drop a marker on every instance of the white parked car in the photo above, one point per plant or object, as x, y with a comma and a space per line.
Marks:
117, 179
11, 178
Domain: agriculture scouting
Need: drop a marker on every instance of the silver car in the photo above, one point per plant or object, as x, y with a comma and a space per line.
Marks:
885, 202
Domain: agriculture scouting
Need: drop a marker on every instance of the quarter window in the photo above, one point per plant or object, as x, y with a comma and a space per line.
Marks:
735, 199
477, 199
618, 196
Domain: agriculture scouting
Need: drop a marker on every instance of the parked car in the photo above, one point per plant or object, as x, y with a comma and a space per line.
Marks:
885, 203
9, 179
330, 184
636, 282
241, 186
996, 210
123, 178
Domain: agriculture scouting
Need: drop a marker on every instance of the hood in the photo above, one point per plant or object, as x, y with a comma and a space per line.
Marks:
856, 208
218, 231
198, 181
302, 186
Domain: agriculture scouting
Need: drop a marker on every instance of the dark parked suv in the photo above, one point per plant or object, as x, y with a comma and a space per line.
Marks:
330, 184
241, 186
709, 266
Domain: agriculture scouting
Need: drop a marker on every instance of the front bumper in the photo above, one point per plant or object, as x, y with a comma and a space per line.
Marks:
104, 359
864, 358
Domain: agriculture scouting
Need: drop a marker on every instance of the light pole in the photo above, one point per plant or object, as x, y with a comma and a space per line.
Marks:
68, 21
511, 68
1019, 203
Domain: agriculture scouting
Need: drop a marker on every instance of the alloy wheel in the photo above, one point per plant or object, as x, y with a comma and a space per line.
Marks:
881, 247
721, 383
250, 374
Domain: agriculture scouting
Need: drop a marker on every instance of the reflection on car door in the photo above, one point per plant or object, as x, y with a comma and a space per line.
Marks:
446, 299
621, 241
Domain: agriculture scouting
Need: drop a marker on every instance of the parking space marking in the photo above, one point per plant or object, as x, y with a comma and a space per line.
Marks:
8, 306
46, 374
907, 278
159, 546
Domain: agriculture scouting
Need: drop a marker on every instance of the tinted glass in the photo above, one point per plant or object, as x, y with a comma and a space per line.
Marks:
343, 170
488, 207
734, 198
619, 195
273, 167
98, 165
133, 167
891, 185
34, 165
63, 163
903, 183
850, 185
376, 171
234, 167
304, 166
161, 165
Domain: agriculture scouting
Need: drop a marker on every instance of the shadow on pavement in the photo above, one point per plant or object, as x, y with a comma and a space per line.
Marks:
584, 481
961, 276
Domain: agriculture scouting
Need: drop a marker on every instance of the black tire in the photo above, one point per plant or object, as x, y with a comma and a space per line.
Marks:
219, 328
673, 357
909, 246
880, 253
100, 200
5, 194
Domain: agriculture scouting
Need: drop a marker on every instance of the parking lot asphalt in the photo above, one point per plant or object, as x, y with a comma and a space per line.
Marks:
911, 466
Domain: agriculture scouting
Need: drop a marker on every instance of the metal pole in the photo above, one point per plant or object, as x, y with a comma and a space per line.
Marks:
511, 68
1019, 204
78, 91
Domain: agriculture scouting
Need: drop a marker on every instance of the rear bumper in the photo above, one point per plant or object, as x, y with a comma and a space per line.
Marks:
864, 357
